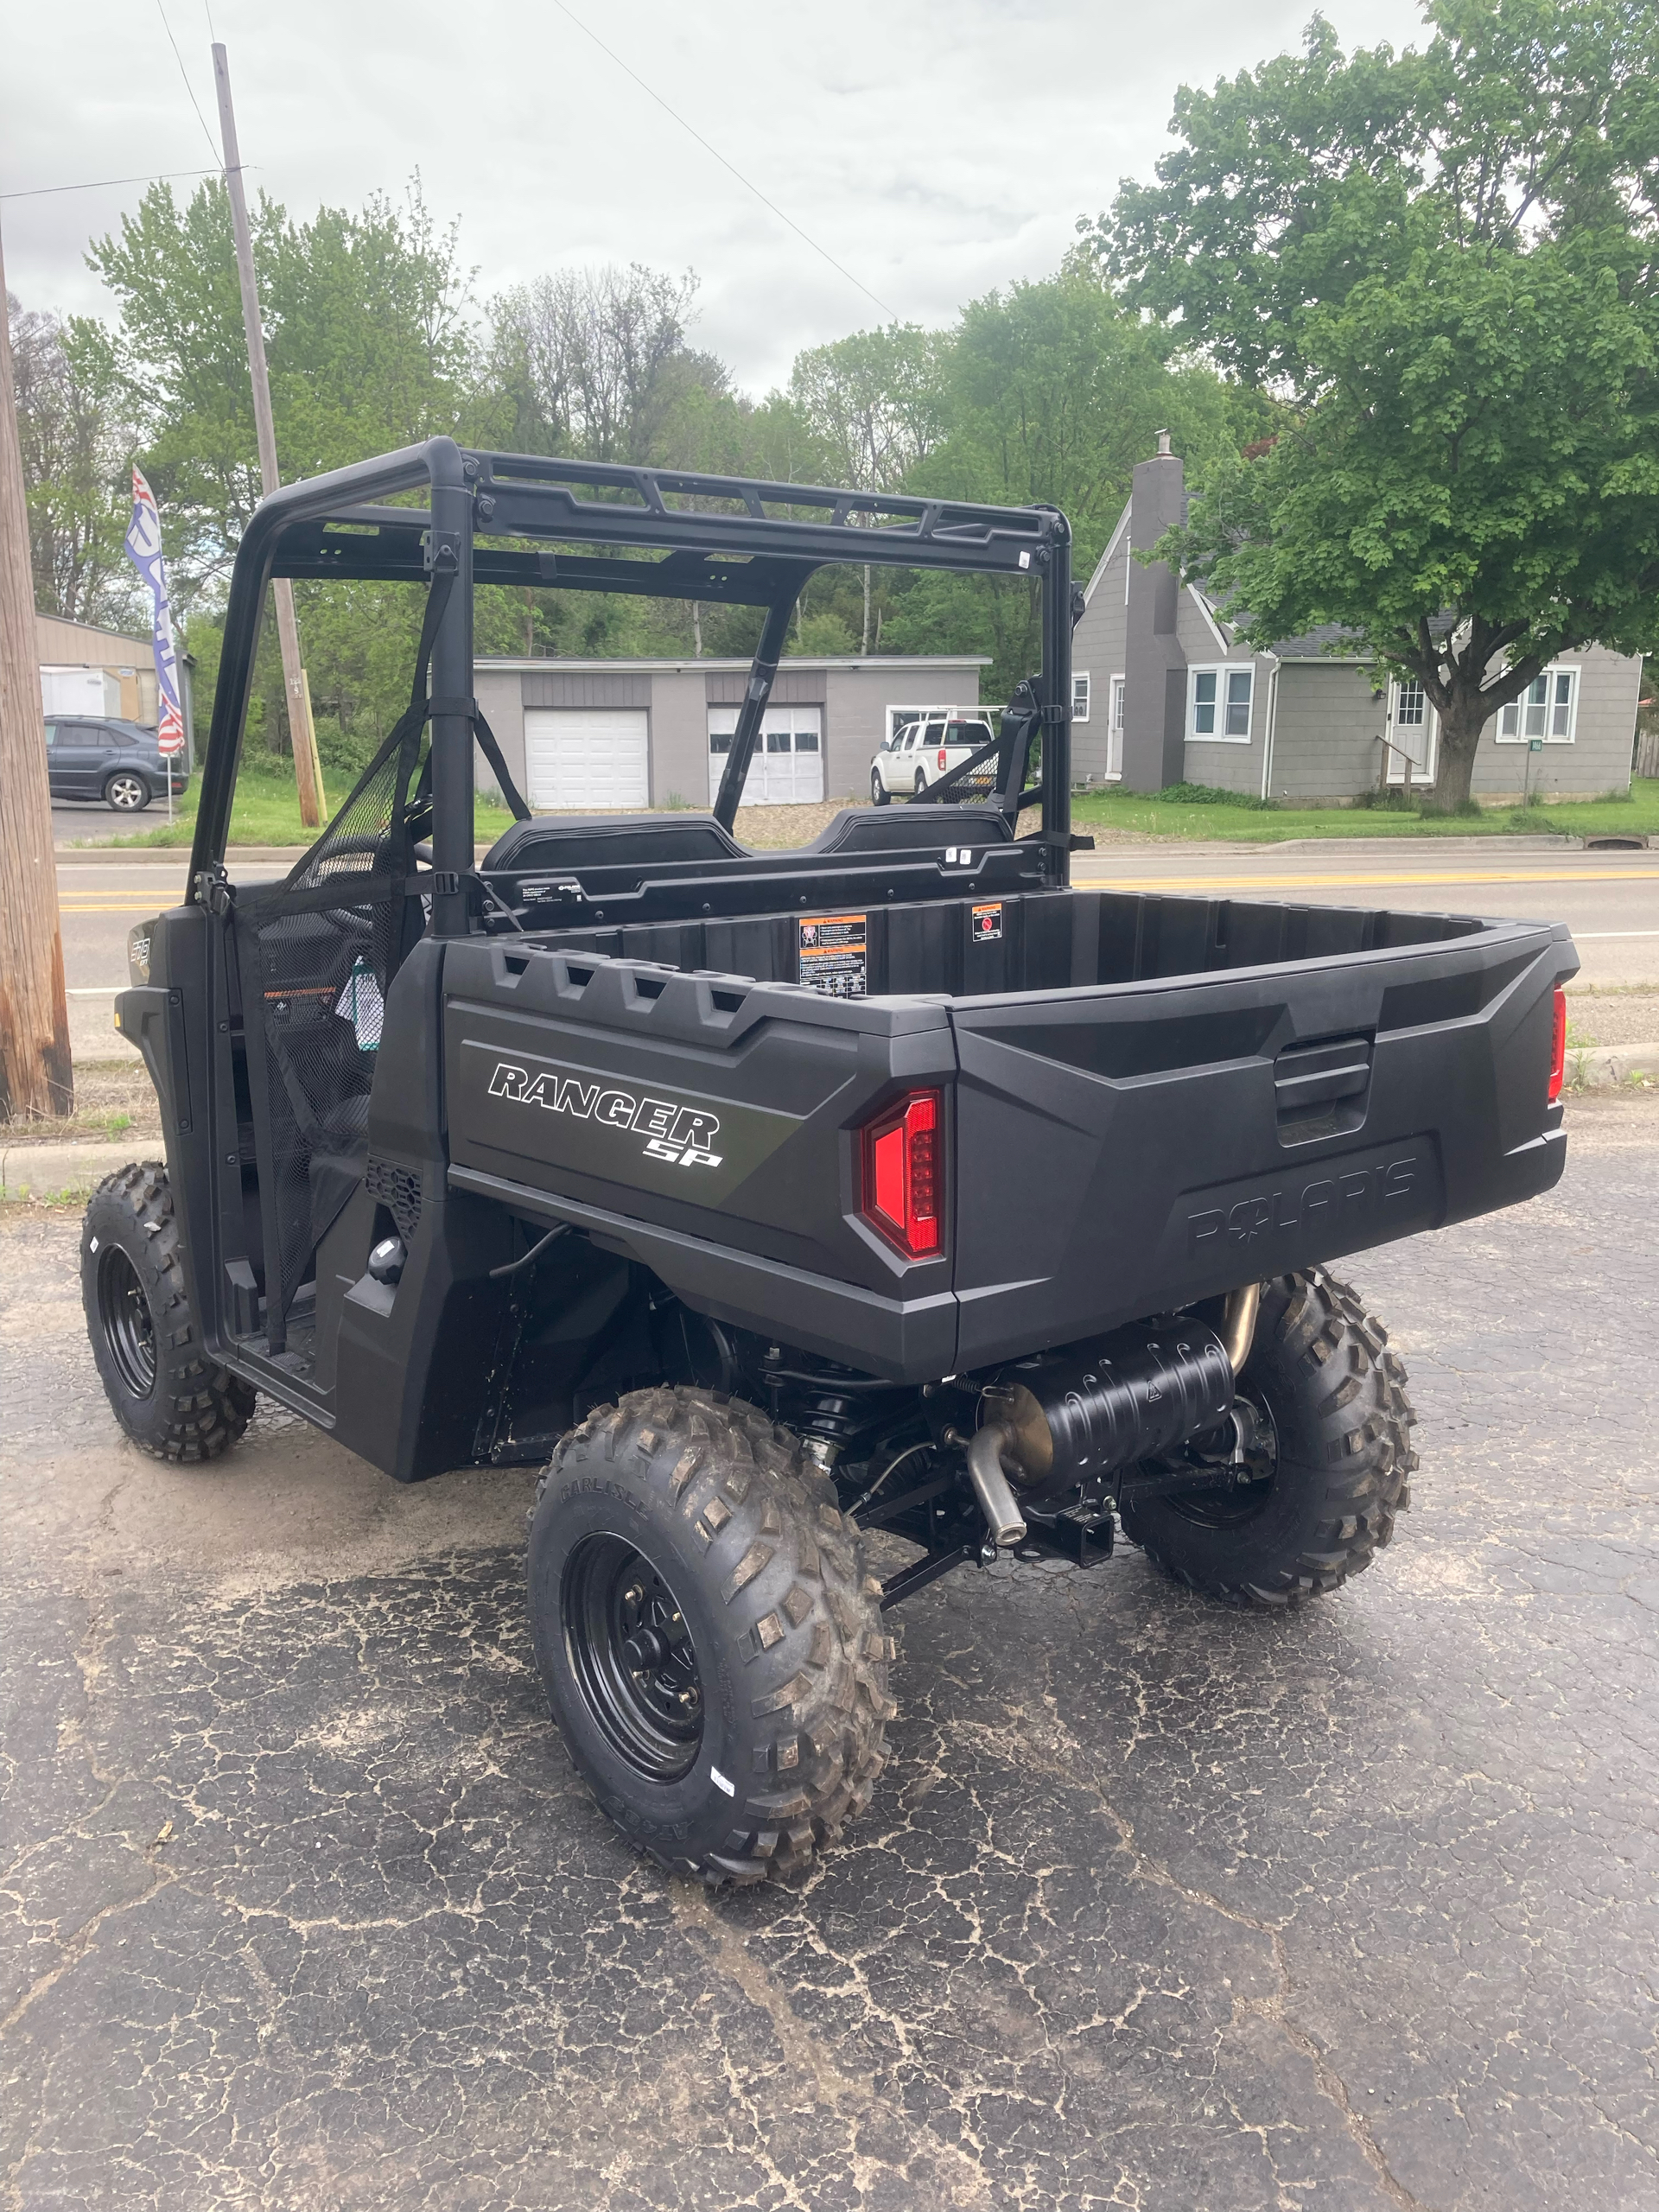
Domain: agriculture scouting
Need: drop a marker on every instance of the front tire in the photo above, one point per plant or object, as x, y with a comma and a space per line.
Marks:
172, 1399
126, 793
1335, 1467
710, 1641
879, 795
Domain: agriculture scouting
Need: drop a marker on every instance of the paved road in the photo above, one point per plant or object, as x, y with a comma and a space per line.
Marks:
1157, 1906
1610, 901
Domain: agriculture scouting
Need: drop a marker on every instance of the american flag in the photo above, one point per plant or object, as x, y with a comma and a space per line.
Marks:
144, 551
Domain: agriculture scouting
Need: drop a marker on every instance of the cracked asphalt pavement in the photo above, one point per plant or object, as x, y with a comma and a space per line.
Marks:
1158, 1905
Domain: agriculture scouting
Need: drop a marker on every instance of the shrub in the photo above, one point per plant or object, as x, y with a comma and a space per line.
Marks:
1211, 794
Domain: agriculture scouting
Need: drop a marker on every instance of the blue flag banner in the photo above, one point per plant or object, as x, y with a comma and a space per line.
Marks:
144, 551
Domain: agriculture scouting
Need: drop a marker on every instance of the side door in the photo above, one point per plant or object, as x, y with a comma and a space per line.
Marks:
890, 760
80, 751
924, 755
1413, 729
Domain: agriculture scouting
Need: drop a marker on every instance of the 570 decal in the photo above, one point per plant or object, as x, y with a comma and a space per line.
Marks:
683, 1136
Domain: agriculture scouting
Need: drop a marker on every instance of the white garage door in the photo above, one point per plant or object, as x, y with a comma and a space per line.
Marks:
786, 769
590, 757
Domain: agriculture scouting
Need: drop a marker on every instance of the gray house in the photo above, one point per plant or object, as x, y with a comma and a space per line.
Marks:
600, 734
1164, 693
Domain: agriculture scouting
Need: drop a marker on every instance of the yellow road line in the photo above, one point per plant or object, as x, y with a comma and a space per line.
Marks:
1323, 882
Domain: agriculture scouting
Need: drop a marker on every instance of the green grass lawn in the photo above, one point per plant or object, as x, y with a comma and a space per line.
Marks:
1155, 816
267, 812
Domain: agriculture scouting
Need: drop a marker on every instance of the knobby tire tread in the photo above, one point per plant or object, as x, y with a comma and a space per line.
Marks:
1354, 1390
817, 1655
201, 1409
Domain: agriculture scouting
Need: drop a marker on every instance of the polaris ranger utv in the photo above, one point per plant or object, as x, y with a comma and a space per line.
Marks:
769, 1199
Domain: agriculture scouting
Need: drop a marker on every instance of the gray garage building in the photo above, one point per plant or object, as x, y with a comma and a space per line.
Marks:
592, 734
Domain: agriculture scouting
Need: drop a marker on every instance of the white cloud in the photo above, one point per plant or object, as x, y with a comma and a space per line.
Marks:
934, 149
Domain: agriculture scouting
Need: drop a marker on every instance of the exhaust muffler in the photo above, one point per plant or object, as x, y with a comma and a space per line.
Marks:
1075, 1416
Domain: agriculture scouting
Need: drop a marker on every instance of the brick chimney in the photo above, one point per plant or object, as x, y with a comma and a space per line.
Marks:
1154, 693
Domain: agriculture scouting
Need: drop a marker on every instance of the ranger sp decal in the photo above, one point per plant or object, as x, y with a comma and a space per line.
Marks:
680, 1134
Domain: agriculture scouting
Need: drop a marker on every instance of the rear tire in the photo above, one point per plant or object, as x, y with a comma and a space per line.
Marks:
1340, 1425
126, 793
173, 1402
710, 1641
921, 785
879, 795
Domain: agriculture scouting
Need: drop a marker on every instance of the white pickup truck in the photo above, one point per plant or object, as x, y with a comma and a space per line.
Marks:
920, 752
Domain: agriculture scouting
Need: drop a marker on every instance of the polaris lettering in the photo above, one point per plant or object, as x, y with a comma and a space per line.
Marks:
1323, 1204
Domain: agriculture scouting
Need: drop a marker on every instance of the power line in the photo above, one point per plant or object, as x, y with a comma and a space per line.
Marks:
745, 181
179, 57
99, 183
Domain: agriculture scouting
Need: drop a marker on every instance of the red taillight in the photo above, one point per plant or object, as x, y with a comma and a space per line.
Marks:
904, 1172
1557, 1047
942, 756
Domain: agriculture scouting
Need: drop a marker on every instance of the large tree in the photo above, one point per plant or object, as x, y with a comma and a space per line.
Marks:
875, 403
1443, 262
76, 446
369, 349
366, 334
1051, 392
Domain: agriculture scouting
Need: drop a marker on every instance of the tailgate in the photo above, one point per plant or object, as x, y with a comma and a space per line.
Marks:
1127, 1148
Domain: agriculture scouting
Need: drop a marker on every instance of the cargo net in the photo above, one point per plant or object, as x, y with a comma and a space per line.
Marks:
977, 783
984, 778
317, 955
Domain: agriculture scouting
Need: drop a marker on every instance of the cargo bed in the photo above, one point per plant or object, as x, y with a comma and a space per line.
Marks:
1147, 1100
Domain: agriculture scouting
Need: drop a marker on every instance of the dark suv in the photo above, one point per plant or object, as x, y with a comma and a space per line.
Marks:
119, 762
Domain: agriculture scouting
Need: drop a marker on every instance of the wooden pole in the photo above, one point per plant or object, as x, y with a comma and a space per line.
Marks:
36, 1076
288, 628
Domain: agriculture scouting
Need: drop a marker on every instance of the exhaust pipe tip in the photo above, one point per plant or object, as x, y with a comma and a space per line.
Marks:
984, 1451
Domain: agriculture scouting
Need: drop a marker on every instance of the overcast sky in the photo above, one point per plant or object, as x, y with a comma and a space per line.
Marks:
934, 148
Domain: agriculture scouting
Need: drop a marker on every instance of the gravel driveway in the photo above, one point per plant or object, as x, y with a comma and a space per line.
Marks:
1158, 1905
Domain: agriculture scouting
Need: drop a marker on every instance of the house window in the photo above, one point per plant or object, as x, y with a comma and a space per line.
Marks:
1219, 704
1546, 708
1114, 728
1410, 706
1080, 695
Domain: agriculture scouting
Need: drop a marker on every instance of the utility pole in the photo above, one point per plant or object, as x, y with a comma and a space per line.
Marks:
36, 1076
308, 769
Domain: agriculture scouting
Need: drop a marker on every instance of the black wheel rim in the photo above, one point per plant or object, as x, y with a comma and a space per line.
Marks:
1242, 1494
127, 1324
631, 1654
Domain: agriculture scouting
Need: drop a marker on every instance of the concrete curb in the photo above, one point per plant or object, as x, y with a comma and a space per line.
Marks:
75, 1167
1602, 1067
1414, 841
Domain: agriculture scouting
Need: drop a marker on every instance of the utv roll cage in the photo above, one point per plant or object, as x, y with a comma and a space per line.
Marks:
666, 534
